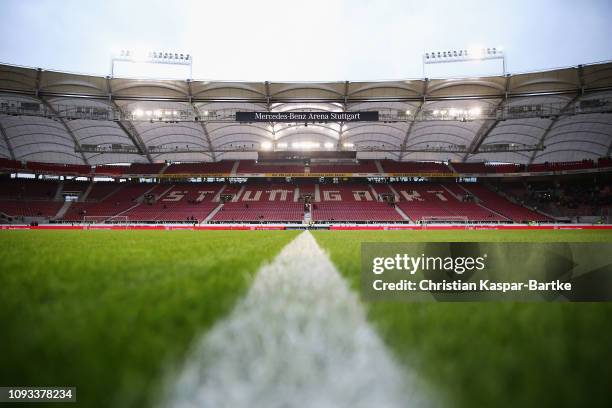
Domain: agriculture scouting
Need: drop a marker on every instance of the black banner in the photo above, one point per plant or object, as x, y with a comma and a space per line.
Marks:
487, 271
311, 117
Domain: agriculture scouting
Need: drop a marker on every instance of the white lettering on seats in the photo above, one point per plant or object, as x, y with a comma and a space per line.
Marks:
203, 195
174, 196
362, 194
247, 196
412, 196
439, 194
283, 194
331, 195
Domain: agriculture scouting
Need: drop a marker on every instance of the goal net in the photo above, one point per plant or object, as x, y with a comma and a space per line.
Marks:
446, 219
105, 219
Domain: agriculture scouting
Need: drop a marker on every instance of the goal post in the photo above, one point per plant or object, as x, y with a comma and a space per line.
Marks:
105, 219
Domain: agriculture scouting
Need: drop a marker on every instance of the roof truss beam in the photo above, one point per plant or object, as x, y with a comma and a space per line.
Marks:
67, 128
411, 125
204, 132
7, 141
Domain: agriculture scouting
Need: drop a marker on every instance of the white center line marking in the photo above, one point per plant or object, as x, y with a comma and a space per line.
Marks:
298, 339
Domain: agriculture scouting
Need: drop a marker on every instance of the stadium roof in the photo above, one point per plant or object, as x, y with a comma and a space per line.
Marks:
556, 115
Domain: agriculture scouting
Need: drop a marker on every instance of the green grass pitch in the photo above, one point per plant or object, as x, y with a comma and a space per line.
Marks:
113, 313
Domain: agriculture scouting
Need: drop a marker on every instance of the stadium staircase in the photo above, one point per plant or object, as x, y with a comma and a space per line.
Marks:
62, 211
478, 202
403, 214
58, 192
514, 200
379, 166
212, 213
84, 196
163, 169
234, 168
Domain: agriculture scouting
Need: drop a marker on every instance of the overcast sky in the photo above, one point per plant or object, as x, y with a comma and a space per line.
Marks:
303, 40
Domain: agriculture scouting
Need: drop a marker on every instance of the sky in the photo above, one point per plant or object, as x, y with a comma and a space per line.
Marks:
310, 40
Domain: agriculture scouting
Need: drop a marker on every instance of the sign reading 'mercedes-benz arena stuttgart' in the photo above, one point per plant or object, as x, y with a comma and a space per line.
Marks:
366, 116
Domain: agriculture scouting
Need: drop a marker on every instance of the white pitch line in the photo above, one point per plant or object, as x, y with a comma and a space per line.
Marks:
298, 339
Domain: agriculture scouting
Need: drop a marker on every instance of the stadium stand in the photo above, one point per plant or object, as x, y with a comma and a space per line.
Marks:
54, 168
502, 206
222, 167
262, 202
251, 166
181, 202
391, 166
444, 202
29, 208
28, 189
116, 201
7, 164
364, 166
145, 168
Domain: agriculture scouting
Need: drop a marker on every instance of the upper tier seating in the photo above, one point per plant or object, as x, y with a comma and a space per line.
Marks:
364, 166
222, 167
53, 168
391, 166
6, 164
110, 170
251, 166
28, 189
145, 168
559, 166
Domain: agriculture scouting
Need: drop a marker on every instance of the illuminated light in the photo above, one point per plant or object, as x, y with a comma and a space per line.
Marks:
475, 111
158, 113
282, 145
266, 145
407, 112
149, 113
443, 112
453, 112
436, 112
348, 144
329, 145
138, 112
175, 113
206, 113
168, 113
305, 145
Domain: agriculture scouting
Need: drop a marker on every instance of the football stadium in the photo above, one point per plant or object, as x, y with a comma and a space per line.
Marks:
191, 242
